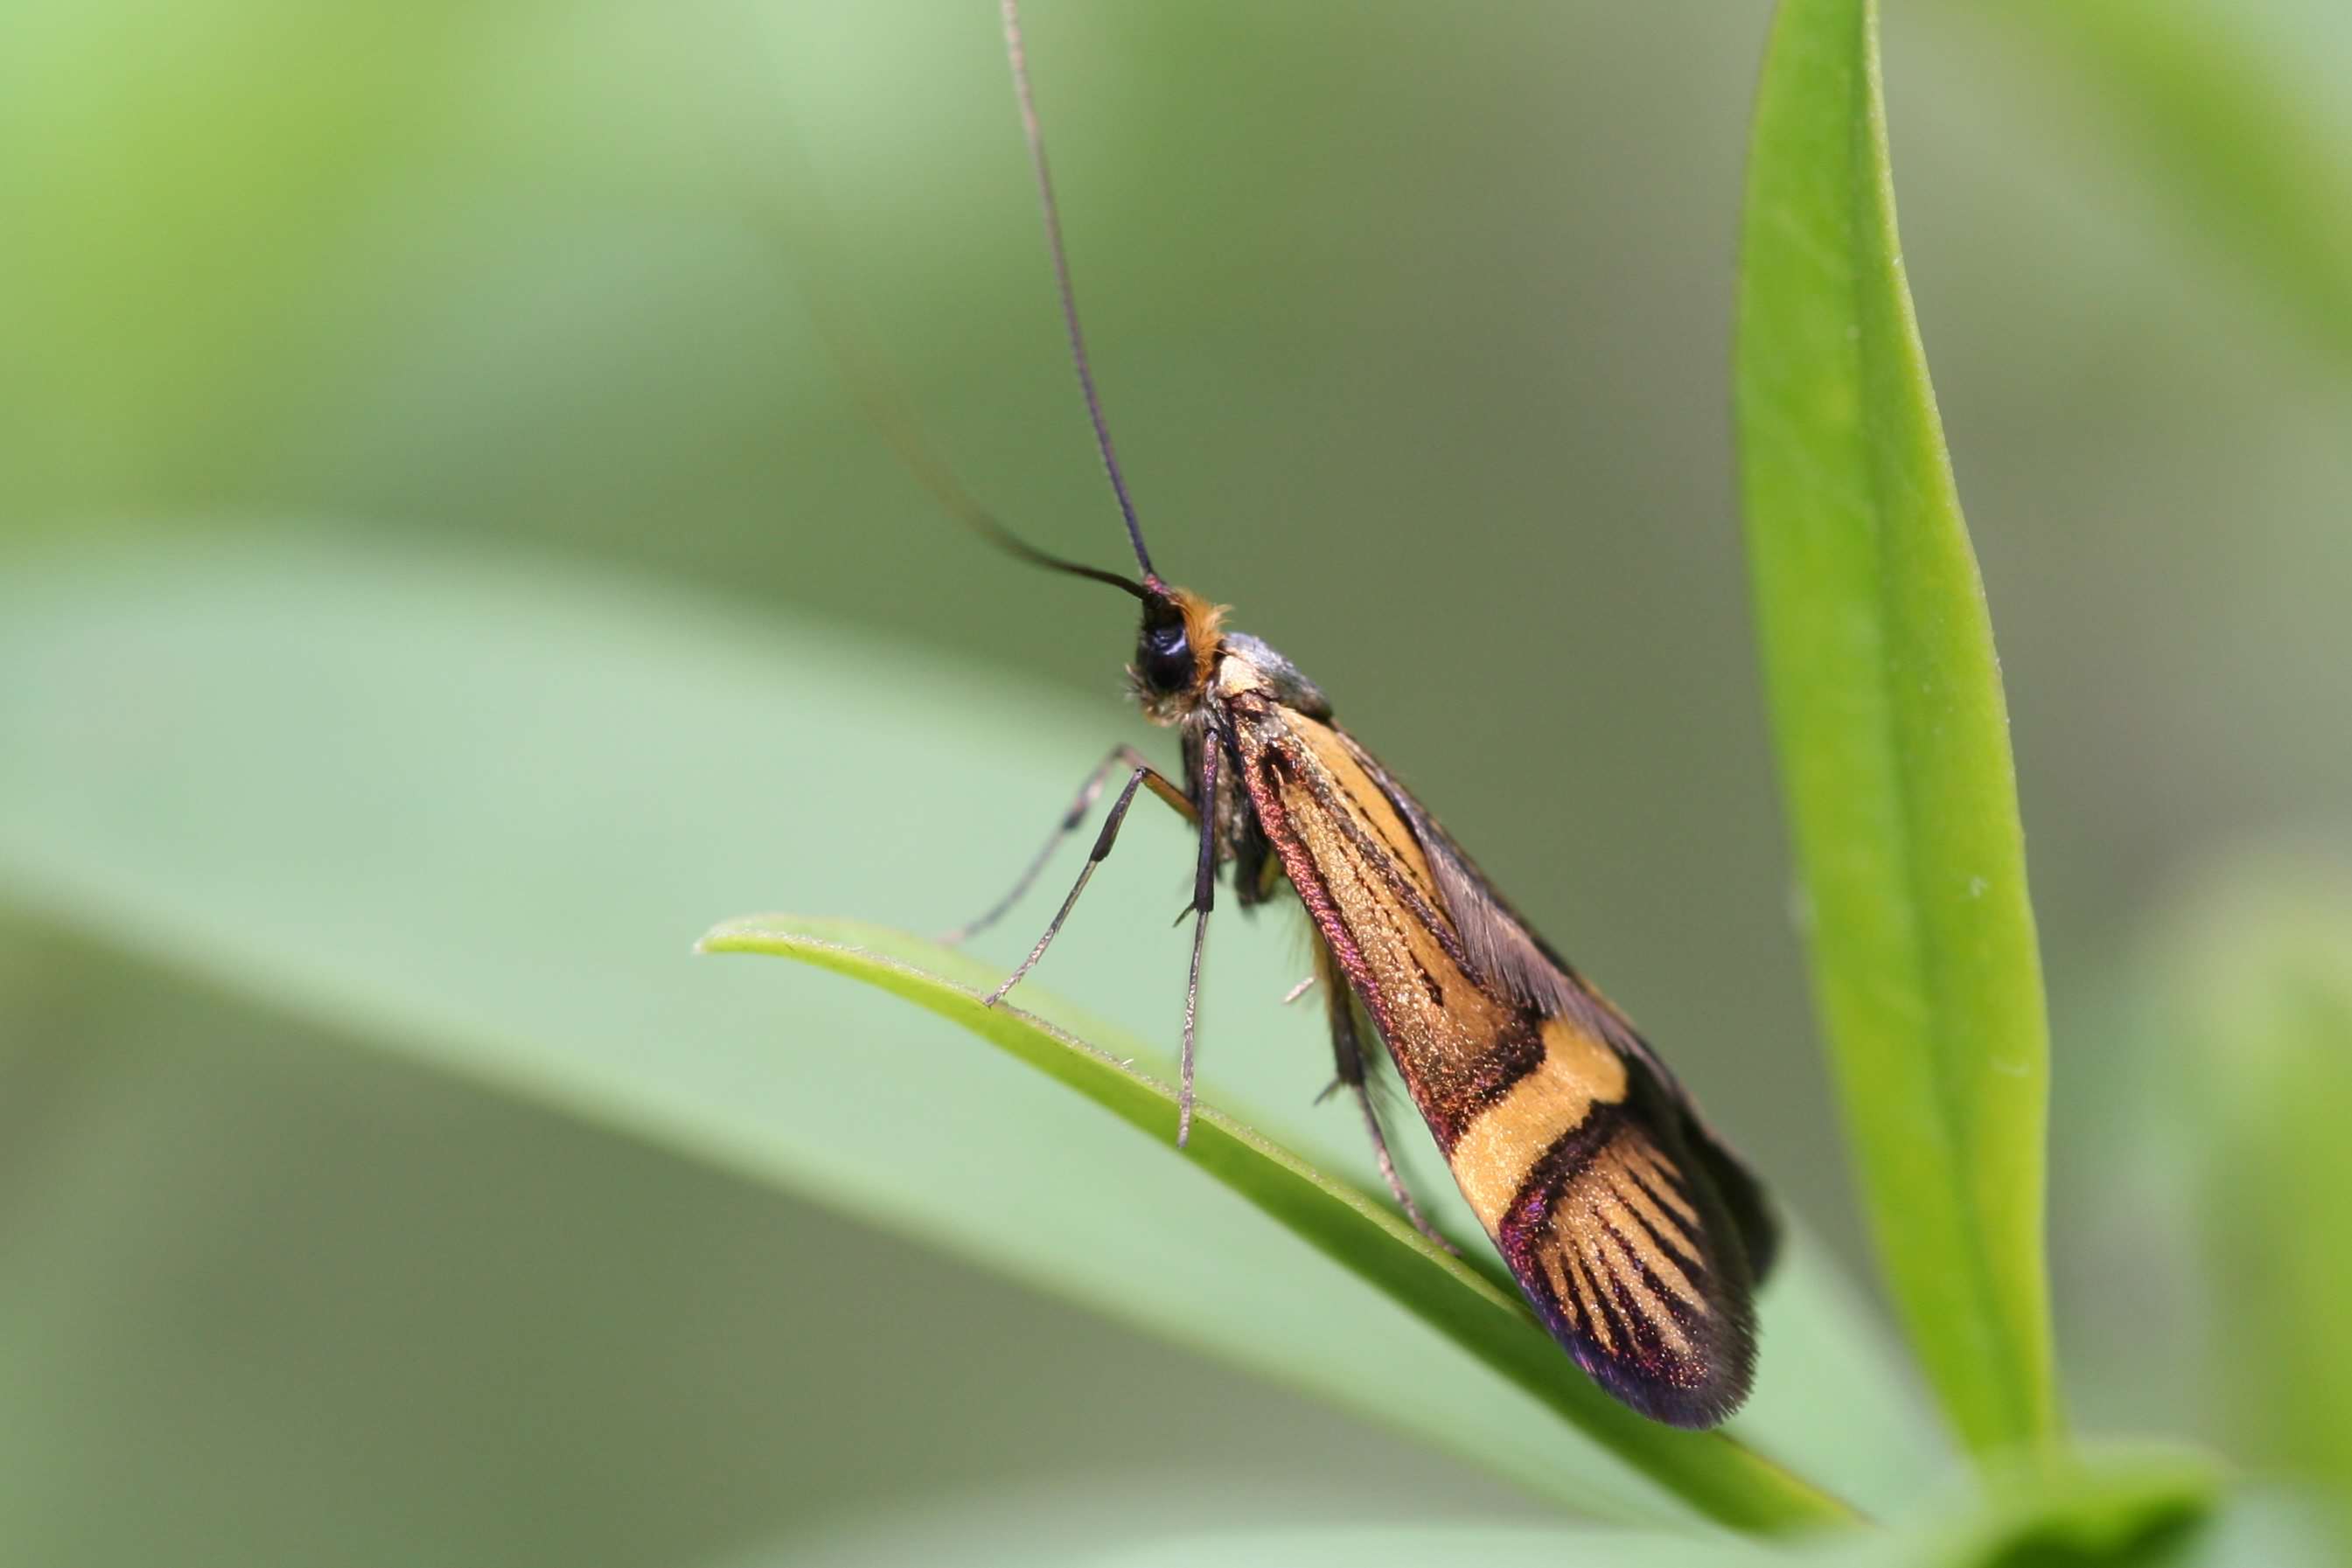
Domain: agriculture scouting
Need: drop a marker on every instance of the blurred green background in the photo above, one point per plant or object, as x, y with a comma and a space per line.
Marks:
355, 353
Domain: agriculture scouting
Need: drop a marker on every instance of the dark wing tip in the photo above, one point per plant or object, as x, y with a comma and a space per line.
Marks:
1743, 1198
1696, 1407
1635, 1263
1692, 1391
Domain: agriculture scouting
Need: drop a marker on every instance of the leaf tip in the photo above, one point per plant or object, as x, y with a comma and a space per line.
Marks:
739, 934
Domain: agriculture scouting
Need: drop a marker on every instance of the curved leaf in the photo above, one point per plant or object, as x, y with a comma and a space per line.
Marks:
417, 1323
1716, 1474
1893, 735
2123, 1508
1008, 1529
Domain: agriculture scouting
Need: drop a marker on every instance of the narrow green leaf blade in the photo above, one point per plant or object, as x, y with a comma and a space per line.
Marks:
1892, 736
1714, 1472
2240, 144
2260, 980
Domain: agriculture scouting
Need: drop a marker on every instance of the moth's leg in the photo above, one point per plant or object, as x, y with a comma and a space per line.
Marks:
1348, 1054
1072, 820
1204, 896
1161, 785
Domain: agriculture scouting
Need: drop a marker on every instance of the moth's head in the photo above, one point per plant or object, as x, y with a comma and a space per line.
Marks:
1175, 650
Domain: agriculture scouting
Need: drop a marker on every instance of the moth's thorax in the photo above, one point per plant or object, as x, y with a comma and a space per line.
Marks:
1247, 668
1238, 676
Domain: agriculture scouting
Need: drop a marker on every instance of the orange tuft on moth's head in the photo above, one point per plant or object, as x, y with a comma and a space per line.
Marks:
1204, 627
1175, 650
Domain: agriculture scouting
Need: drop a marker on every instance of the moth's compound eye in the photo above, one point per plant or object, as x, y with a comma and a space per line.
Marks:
1165, 658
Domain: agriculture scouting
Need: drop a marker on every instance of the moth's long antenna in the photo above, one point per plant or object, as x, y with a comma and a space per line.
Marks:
1062, 280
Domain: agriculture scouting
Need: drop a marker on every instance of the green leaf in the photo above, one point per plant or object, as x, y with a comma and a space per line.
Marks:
2241, 143
470, 809
2147, 1507
417, 1323
987, 1529
2144, 1508
2122, 1505
1892, 736
1489, 1546
2260, 980
1717, 1475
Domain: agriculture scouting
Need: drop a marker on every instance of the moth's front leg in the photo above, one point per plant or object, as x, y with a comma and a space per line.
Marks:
1120, 756
1167, 790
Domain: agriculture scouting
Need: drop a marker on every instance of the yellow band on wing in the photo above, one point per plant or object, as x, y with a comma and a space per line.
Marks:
1495, 1151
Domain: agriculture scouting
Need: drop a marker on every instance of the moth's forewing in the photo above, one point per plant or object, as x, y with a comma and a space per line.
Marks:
1625, 1245
1570, 1141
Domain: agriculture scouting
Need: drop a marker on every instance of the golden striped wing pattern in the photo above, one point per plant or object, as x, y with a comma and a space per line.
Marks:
1577, 1152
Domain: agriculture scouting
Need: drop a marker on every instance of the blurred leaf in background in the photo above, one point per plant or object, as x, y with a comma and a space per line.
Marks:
273, 1298
488, 276
1414, 325
515, 915
2259, 974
